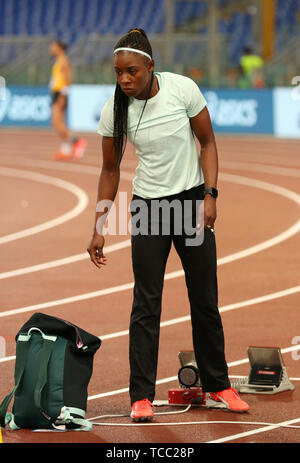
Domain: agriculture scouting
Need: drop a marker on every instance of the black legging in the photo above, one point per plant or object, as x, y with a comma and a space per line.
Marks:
149, 257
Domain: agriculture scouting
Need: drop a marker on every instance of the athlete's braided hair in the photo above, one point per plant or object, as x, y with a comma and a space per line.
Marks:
135, 38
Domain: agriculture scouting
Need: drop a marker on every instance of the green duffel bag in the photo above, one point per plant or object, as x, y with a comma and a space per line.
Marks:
54, 364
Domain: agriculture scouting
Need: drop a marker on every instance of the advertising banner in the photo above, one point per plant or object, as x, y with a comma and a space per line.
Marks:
25, 106
241, 111
85, 105
231, 111
287, 112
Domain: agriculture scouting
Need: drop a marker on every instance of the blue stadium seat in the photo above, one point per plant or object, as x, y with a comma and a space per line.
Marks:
286, 13
186, 11
35, 17
71, 19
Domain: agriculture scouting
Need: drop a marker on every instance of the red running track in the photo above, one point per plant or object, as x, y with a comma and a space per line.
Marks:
258, 244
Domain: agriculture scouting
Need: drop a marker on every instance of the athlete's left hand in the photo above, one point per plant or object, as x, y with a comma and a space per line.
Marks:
210, 211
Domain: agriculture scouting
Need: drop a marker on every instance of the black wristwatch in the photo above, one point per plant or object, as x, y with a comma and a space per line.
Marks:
211, 191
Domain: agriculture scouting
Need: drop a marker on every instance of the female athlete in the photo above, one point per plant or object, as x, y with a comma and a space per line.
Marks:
71, 146
160, 113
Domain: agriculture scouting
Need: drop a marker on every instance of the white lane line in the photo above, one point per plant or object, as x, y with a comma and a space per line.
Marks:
63, 261
175, 321
265, 168
66, 167
95, 170
68, 300
294, 229
7, 359
78, 209
126, 287
254, 431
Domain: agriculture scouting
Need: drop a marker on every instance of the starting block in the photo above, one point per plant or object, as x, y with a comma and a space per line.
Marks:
190, 391
268, 375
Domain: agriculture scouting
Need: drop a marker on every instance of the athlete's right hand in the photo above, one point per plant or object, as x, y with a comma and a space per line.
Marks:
95, 250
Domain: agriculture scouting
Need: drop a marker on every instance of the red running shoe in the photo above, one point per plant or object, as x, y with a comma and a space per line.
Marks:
142, 410
79, 148
60, 156
231, 400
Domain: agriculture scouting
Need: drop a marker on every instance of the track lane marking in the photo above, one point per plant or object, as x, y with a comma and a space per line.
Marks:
59, 262
177, 320
265, 168
57, 182
294, 229
285, 171
67, 167
252, 432
268, 427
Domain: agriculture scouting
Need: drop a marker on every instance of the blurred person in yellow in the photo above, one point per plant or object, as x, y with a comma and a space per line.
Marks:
252, 69
71, 146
